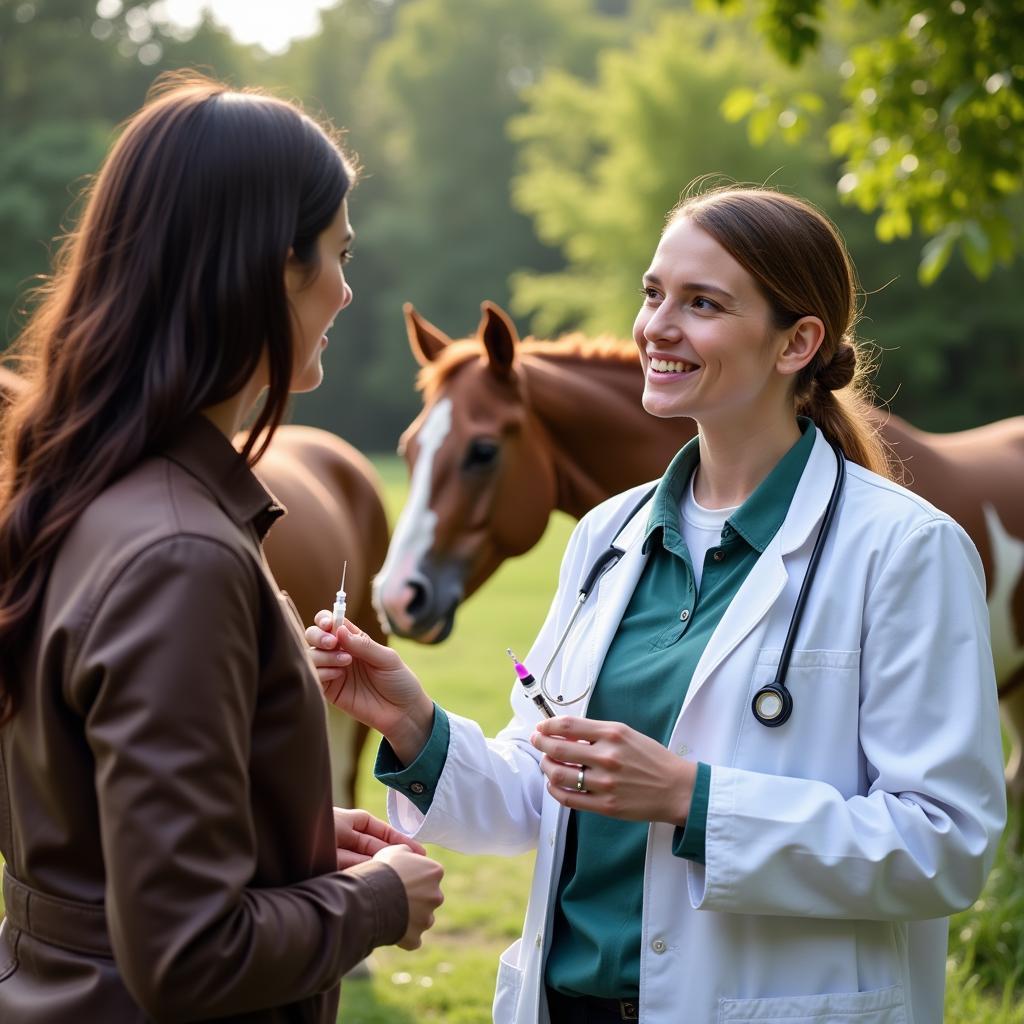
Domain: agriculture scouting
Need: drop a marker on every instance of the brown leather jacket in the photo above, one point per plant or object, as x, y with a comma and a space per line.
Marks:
165, 806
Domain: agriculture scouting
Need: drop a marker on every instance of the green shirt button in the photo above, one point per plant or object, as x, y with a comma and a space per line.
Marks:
684, 614
417, 787
719, 555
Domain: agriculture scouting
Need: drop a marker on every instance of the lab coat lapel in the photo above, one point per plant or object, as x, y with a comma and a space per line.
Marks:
612, 594
767, 579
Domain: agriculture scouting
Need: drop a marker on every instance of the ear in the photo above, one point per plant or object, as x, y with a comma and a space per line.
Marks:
426, 341
803, 340
500, 338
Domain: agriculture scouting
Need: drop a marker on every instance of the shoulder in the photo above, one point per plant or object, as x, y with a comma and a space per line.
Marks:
897, 525
155, 522
155, 501
878, 501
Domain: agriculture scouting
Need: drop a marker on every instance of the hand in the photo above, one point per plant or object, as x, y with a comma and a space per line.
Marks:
370, 682
421, 877
358, 835
627, 774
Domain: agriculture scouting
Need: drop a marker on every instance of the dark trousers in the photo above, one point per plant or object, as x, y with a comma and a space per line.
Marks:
590, 1010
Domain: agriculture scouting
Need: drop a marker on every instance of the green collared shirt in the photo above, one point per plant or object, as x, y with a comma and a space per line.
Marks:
597, 929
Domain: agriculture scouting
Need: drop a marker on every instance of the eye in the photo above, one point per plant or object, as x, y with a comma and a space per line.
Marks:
651, 294
702, 302
481, 455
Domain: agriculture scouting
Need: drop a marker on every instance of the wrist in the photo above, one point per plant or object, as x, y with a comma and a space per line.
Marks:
681, 796
410, 735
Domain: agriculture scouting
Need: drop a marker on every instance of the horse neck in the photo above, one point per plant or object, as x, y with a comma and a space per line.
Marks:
601, 439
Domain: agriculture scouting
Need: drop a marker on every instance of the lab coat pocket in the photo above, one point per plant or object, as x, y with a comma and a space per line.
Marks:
822, 730
877, 1006
509, 985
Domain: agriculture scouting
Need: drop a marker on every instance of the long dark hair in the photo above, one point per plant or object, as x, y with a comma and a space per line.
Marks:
162, 302
800, 262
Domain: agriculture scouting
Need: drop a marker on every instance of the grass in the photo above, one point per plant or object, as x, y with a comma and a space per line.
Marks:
451, 978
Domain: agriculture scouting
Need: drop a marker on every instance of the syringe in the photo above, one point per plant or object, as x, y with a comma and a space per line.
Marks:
340, 602
530, 686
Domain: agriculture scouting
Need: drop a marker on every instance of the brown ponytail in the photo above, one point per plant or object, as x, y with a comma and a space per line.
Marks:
799, 260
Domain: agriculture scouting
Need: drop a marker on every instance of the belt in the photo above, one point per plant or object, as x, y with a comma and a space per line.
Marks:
68, 924
563, 1009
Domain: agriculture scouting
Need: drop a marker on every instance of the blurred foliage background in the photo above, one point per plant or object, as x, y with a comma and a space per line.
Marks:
527, 153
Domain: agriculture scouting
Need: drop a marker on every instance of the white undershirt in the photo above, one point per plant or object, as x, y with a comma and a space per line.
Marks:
701, 528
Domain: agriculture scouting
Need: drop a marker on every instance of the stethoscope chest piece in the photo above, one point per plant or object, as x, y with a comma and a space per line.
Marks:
772, 705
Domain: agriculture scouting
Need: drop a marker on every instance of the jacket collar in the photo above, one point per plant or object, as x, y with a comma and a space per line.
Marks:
206, 454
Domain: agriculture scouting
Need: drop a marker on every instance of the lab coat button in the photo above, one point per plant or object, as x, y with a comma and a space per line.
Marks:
539, 941
684, 750
659, 945
684, 614
417, 787
551, 839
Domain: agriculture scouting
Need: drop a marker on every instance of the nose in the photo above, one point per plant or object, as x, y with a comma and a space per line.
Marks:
346, 295
662, 326
406, 602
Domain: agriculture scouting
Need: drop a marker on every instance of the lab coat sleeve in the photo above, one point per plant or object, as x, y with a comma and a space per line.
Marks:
920, 842
489, 795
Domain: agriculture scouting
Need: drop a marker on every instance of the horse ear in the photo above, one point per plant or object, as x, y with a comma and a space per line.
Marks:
426, 341
499, 336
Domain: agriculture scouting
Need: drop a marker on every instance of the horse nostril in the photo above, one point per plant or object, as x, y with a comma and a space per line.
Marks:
422, 596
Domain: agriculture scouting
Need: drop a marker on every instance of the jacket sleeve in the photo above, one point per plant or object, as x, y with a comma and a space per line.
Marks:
489, 796
166, 679
920, 842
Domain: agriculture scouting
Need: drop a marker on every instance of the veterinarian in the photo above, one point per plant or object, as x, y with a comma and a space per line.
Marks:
774, 767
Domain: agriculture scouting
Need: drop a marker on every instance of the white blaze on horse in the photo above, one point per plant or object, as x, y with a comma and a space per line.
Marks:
511, 431
335, 513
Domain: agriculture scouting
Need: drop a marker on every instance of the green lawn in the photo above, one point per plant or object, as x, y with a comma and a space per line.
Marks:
451, 978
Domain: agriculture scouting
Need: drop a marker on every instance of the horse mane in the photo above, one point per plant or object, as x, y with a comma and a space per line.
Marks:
575, 347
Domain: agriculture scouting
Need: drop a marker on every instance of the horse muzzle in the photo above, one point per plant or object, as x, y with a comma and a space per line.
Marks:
420, 606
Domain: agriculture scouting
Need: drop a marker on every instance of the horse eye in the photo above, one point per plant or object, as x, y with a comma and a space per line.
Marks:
480, 455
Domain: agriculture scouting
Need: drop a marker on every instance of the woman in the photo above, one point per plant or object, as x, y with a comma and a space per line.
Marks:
165, 817
712, 865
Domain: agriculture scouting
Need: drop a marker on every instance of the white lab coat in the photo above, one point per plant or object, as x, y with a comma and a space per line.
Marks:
838, 844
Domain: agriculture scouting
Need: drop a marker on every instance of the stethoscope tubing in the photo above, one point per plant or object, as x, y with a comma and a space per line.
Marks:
773, 703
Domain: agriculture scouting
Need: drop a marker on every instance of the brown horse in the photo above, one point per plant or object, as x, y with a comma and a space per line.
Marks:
335, 512
511, 431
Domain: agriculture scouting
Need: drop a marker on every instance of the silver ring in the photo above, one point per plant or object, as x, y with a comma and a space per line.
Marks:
579, 780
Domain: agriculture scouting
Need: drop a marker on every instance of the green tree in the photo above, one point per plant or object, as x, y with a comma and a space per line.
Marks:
433, 216
932, 132
602, 162
69, 76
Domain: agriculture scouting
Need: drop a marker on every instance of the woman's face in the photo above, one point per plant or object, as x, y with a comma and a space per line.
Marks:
317, 301
705, 333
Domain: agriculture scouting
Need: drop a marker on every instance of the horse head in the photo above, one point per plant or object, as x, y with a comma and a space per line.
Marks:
473, 452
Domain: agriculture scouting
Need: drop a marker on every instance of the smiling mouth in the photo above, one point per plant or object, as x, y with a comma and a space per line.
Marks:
672, 366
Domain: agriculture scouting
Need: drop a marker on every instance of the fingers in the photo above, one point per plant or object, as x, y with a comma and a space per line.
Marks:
572, 728
378, 833
350, 858
321, 636
366, 649
566, 751
565, 776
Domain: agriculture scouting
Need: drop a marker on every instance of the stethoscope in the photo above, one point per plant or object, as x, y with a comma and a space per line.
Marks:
773, 703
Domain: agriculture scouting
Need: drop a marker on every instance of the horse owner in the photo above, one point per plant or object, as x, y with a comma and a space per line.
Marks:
165, 808
713, 865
